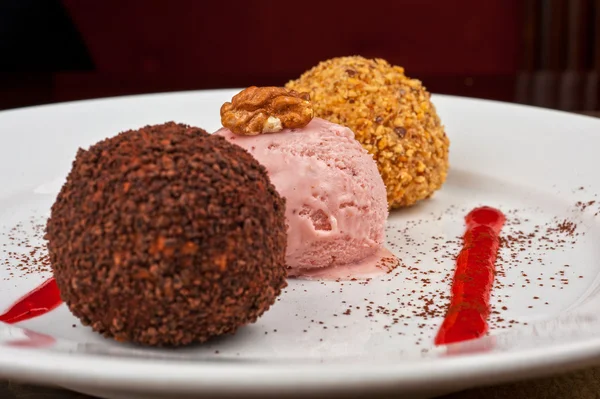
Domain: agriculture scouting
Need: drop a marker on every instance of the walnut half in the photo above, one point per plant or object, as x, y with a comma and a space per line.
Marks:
257, 110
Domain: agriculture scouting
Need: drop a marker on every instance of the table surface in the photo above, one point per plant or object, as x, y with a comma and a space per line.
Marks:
580, 384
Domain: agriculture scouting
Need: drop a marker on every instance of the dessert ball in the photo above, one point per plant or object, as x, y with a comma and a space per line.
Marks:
336, 205
167, 236
392, 117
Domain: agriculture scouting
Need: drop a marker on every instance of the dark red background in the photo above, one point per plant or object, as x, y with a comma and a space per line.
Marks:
466, 47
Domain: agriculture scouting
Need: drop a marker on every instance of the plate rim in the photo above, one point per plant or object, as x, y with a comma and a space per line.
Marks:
159, 376
142, 96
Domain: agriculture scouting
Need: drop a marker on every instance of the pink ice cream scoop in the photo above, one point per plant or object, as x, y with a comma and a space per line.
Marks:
336, 204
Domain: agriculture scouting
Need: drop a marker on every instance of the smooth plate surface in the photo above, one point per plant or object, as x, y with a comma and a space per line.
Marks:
538, 166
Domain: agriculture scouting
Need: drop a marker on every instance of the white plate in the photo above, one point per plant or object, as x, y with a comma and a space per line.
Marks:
533, 164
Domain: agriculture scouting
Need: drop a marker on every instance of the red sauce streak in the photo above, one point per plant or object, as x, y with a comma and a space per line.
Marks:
36, 303
469, 309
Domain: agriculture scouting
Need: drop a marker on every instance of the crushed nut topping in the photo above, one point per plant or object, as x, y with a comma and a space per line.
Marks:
391, 115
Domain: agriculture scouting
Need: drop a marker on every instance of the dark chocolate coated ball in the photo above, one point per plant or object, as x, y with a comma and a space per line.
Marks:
166, 236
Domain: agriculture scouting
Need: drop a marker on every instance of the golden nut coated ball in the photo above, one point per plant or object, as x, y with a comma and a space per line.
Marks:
392, 117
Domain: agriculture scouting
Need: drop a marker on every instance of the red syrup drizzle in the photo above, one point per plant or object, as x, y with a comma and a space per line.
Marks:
469, 309
40, 301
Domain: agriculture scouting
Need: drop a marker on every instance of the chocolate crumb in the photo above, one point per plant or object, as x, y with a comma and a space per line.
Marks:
167, 221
